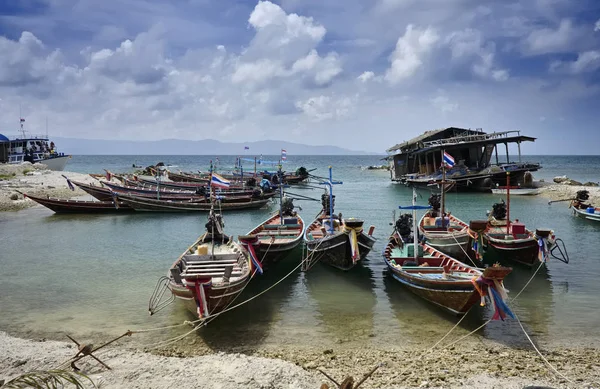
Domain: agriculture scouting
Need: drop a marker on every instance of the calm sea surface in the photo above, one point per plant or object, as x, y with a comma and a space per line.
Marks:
90, 275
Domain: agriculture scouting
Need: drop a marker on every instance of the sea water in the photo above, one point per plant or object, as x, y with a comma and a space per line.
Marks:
92, 275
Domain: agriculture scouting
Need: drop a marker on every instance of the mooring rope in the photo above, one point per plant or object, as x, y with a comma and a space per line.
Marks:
463, 250
480, 327
201, 321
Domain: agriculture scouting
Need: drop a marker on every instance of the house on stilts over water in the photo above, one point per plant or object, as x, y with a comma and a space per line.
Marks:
477, 166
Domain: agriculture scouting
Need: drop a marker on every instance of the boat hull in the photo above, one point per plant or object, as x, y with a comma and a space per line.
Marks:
56, 163
455, 300
582, 213
153, 205
80, 206
335, 250
522, 251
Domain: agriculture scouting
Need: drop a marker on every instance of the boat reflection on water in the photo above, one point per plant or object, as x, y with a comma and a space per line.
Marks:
344, 301
246, 327
534, 307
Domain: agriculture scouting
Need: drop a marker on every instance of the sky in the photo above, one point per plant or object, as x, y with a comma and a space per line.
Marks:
362, 75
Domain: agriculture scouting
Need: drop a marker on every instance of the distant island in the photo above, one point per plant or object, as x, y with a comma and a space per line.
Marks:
198, 147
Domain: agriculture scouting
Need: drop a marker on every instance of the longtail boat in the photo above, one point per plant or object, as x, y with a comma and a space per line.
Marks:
150, 204
211, 273
80, 206
583, 209
336, 241
447, 234
502, 239
437, 277
276, 237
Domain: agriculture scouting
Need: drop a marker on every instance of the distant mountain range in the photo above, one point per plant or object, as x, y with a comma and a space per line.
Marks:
190, 147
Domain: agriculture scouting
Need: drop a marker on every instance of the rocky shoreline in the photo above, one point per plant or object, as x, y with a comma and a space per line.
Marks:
35, 179
471, 364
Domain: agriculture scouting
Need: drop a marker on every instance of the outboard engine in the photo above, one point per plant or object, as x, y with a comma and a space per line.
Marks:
302, 172
201, 191
404, 227
257, 194
325, 203
435, 202
215, 226
499, 211
251, 182
287, 206
582, 196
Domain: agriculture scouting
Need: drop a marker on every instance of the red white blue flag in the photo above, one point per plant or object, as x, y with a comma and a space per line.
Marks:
448, 160
283, 155
218, 181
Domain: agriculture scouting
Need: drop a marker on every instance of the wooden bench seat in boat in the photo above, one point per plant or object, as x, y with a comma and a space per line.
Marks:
436, 228
213, 274
218, 258
281, 226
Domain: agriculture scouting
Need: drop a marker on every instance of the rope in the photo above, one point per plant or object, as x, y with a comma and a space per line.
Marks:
483, 325
177, 338
538, 351
463, 250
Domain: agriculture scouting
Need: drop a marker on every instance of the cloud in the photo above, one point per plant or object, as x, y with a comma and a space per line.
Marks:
597, 25
366, 76
284, 46
411, 49
586, 62
244, 71
468, 46
320, 108
443, 104
552, 40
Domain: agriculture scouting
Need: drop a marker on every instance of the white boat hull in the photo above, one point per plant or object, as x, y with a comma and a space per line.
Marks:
582, 213
57, 163
518, 192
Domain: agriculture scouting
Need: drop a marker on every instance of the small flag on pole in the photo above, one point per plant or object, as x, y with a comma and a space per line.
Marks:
22, 120
448, 160
218, 181
283, 155
246, 148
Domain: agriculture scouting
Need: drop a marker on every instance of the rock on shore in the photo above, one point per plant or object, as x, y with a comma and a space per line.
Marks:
35, 179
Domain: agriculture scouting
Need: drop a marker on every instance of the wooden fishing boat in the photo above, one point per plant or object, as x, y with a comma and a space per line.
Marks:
211, 273
150, 204
188, 178
447, 234
336, 241
277, 236
98, 192
583, 209
437, 277
80, 206
516, 190
510, 241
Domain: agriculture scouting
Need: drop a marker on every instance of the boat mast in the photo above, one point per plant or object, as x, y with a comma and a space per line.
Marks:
212, 212
507, 202
415, 230
330, 184
443, 188
280, 174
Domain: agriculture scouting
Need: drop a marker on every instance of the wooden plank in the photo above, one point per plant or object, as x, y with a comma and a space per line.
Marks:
207, 265
213, 274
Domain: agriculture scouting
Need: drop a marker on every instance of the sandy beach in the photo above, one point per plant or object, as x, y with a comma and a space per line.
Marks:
471, 365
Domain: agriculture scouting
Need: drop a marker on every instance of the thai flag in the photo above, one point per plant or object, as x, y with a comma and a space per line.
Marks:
246, 148
218, 181
448, 160
283, 155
